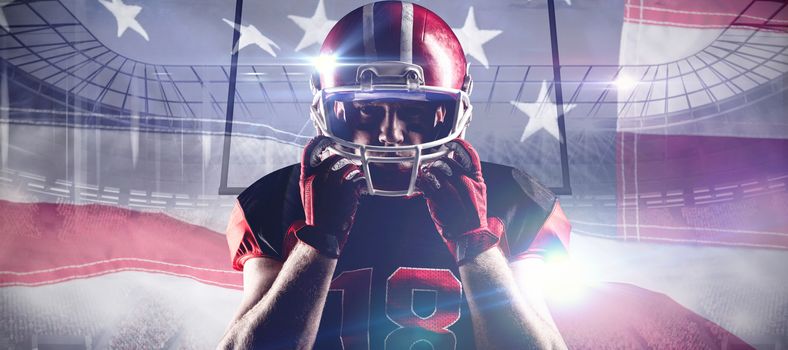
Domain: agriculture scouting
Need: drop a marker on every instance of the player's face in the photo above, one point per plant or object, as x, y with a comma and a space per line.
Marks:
381, 123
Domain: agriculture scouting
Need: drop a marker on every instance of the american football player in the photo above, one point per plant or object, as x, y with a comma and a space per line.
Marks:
391, 233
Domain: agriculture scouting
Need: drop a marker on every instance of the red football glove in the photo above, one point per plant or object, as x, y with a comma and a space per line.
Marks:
330, 190
457, 199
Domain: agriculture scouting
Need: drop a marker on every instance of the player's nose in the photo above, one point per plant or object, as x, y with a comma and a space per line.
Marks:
391, 129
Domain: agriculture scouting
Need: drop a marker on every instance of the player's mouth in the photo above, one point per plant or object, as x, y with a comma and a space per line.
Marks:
391, 176
405, 166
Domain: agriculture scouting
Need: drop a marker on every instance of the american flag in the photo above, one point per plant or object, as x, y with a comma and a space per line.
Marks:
126, 126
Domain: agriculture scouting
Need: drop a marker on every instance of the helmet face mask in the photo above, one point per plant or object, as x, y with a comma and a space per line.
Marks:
427, 116
423, 96
362, 111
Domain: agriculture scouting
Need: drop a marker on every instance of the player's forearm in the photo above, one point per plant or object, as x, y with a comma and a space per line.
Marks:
501, 317
287, 317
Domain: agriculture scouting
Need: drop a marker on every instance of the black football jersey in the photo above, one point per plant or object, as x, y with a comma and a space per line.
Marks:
396, 286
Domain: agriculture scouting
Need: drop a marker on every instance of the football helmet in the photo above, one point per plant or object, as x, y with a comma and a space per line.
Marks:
393, 52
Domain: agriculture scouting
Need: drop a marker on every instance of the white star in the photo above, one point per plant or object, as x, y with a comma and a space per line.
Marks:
542, 114
125, 15
3, 21
472, 38
250, 35
315, 28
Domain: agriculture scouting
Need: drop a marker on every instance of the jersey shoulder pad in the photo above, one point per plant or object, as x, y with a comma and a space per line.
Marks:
532, 217
270, 206
240, 239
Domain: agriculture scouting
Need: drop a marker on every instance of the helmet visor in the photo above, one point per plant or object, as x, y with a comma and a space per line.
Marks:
391, 117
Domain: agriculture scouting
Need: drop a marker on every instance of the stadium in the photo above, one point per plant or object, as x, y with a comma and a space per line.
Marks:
671, 161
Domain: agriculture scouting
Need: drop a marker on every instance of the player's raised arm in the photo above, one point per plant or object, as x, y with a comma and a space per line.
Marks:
457, 199
288, 314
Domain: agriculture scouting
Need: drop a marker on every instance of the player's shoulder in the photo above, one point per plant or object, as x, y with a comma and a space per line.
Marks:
528, 210
271, 204
271, 183
509, 184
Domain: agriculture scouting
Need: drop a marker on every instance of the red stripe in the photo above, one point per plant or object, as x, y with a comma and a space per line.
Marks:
703, 13
48, 243
622, 316
702, 189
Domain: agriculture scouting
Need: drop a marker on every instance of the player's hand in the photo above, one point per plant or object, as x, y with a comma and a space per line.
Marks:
330, 190
457, 200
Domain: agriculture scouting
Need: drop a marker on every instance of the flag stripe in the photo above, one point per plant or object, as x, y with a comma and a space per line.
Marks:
635, 318
110, 261
703, 189
72, 276
49, 243
703, 13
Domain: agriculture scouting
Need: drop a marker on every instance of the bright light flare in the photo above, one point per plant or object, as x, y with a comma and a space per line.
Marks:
625, 82
566, 280
325, 64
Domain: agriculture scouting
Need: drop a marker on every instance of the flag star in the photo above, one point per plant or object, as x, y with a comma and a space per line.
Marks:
315, 28
3, 20
542, 114
125, 15
472, 38
250, 35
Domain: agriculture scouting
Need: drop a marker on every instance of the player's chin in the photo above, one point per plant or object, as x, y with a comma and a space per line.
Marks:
391, 176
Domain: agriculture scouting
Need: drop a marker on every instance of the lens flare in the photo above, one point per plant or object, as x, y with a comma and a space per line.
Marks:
625, 82
566, 280
325, 64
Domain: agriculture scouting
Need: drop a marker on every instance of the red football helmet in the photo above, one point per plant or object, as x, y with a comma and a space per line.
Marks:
397, 52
